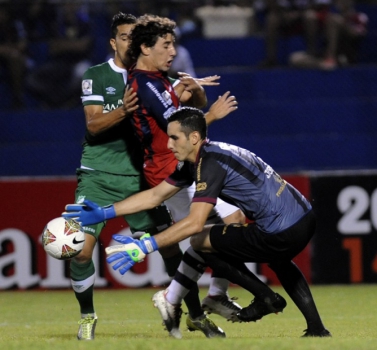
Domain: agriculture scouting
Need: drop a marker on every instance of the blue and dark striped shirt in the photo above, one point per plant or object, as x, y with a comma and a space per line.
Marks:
239, 177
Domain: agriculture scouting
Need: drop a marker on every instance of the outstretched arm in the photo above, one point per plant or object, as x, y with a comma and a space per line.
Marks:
90, 213
146, 199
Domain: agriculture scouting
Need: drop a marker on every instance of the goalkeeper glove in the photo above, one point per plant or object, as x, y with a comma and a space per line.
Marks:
130, 252
88, 212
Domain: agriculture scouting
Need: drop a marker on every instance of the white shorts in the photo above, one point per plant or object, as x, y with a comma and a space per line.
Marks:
179, 206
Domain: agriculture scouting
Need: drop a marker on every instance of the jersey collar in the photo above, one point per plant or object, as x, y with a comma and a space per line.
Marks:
205, 142
115, 68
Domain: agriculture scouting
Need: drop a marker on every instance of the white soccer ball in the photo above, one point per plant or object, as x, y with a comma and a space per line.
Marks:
63, 239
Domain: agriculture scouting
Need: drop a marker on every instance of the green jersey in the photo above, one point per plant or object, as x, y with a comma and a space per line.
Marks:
115, 150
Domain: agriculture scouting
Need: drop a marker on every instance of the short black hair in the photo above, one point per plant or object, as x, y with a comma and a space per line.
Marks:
191, 119
147, 31
119, 19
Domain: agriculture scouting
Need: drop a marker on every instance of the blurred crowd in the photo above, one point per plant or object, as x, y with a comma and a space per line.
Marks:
332, 30
46, 45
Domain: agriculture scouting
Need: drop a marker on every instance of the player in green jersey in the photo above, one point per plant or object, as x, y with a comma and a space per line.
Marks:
111, 163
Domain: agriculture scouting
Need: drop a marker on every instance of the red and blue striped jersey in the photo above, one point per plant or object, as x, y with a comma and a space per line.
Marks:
157, 100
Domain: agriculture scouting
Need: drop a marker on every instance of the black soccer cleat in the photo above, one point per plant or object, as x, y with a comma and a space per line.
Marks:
261, 307
311, 333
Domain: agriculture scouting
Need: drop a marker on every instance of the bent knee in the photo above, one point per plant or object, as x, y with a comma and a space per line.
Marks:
195, 243
238, 217
83, 257
201, 241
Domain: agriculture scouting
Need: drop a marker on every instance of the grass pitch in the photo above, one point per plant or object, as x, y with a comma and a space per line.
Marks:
127, 320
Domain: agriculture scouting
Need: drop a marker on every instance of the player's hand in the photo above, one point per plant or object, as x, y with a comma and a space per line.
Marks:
206, 81
130, 252
190, 84
224, 105
209, 81
88, 212
129, 100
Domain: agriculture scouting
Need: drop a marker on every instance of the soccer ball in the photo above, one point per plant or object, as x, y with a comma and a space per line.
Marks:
63, 239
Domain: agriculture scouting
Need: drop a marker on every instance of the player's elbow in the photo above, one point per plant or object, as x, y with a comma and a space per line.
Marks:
197, 227
201, 102
92, 130
202, 105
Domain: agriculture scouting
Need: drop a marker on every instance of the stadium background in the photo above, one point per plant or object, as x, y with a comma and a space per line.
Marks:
317, 127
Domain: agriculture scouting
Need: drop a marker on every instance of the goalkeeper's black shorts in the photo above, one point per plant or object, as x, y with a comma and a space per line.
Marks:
249, 244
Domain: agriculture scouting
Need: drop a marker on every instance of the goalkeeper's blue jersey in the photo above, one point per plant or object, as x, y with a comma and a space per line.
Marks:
239, 177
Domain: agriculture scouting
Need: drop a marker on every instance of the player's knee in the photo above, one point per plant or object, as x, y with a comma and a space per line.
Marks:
201, 241
195, 243
84, 256
238, 217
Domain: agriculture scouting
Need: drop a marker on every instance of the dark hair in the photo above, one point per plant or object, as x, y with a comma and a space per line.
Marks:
147, 31
119, 19
191, 119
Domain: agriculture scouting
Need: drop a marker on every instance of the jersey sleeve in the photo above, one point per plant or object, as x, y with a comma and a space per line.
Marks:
157, 100
182, 176
91, 88
209, 178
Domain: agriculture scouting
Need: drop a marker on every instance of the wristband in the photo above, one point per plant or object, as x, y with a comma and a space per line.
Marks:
109, 212
150, 244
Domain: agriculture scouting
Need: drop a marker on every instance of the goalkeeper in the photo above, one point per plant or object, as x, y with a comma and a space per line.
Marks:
283, 219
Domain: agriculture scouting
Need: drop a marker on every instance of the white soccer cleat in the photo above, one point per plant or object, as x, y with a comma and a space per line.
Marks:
222, 305
87, 328
171, 314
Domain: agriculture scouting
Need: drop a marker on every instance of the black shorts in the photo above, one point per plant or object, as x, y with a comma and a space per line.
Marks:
248, 244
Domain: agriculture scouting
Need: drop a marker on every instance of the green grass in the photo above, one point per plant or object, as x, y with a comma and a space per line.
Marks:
127, 320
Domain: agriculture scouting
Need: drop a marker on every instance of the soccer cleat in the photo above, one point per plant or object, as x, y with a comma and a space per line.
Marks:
87, 328
171, 314
222, 305
205, 325
262, 307
310, 333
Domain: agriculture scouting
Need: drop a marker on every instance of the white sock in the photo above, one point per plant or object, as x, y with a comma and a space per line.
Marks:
218, 286
91, 315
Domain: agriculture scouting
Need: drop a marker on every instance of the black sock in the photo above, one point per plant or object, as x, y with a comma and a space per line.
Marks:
298, 289
236, 272
172, 263
192, 302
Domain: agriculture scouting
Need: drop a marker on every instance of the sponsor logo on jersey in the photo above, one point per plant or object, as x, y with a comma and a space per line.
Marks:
90, 229
167, 97
282, 183
158, 95
201, 186
87, 86
109, 107
110, 90
169, 111
269, 171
